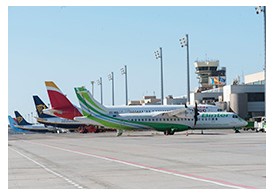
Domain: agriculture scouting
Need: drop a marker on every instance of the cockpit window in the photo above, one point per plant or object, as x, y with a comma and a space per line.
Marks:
235, 116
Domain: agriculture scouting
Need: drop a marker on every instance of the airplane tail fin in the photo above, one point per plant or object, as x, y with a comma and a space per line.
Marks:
12, 123
60, 104
87, 102
20, 119
40, 105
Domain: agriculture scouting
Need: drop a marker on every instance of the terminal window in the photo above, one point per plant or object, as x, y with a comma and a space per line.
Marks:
255, 97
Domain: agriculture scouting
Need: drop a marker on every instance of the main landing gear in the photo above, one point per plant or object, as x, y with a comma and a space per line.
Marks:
119, 132
169, 132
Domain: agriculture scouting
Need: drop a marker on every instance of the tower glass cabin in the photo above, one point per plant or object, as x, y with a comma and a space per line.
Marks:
209, 75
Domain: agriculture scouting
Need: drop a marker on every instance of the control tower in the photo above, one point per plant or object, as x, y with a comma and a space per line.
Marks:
208, 74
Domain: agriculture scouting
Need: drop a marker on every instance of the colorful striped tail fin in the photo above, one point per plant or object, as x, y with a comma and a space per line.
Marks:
85, 98
60, 102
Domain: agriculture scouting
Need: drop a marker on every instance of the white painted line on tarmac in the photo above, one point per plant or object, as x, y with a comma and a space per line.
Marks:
49, 170
159, 170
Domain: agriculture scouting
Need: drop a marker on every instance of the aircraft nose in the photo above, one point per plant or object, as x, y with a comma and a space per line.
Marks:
245, 123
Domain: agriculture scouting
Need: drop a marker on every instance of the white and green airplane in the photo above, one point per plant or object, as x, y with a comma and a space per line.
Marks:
168, 122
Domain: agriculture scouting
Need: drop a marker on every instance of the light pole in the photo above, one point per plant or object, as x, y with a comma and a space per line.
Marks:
158, 55
260, 9
185, 42
92, 82
111, 78
124, 72
99, 82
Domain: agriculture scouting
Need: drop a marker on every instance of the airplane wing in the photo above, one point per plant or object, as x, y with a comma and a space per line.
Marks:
180, 113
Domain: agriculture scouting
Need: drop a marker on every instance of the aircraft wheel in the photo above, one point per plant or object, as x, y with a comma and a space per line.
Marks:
119, 132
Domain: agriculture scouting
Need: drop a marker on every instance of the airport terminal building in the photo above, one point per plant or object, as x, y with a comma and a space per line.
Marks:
246, 99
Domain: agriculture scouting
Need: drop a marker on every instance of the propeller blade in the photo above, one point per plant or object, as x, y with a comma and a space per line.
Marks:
196, 113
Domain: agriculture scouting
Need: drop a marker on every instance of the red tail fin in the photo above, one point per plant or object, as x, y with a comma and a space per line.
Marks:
60, 102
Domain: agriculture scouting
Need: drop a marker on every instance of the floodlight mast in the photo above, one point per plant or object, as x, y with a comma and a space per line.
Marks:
93, 82
111, 78
99, 82
185, 42
158, 55
124, 72
260, 9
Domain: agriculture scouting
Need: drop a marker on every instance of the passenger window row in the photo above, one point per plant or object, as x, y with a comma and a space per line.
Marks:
160, 119
207, 119
140, 111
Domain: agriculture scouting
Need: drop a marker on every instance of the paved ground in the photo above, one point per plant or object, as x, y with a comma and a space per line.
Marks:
138, 160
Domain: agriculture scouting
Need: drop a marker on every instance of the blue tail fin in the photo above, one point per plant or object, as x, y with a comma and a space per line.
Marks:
20, 119
40, 105
12, 123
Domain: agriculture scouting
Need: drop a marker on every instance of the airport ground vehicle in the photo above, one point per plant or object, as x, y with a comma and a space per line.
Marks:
256, 124
250, 125
260, 124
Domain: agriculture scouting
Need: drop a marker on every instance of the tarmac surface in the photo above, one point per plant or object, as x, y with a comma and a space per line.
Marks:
218, 159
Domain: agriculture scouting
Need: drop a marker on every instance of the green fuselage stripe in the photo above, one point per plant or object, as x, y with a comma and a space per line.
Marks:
107, 123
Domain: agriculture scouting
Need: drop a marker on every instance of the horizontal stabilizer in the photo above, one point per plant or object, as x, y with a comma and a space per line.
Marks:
87, 121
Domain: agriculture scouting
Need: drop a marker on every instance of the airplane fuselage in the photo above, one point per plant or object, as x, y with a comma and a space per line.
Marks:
157, 108
33, 128
207, 120
131, 121
60, 123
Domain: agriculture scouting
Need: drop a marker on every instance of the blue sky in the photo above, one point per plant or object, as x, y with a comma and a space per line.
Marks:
75, 45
